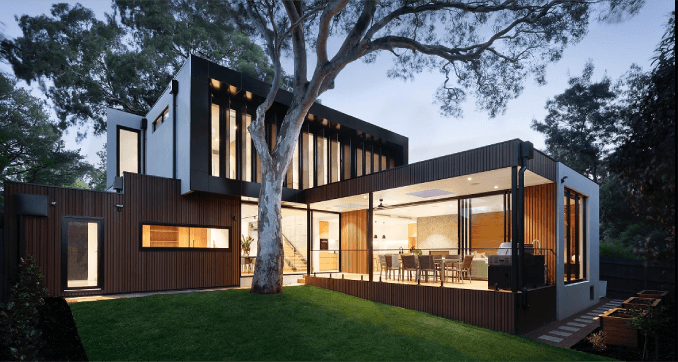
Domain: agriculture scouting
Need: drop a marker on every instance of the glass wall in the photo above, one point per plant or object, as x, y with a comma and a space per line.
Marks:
487, 230
325, 242
575, 240
294, 239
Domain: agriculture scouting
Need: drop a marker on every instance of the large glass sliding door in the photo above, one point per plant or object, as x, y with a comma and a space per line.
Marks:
81, 243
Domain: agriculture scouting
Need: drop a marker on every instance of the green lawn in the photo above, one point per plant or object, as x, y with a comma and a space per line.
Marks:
303, 323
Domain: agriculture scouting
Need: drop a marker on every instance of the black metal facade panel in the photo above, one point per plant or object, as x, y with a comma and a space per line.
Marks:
542, 165
203, 69
481, 159
31, 205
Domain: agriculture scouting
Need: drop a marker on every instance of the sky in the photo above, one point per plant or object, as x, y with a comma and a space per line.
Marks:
406, 107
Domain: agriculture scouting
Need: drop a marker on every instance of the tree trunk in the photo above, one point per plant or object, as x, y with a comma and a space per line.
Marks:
268, 273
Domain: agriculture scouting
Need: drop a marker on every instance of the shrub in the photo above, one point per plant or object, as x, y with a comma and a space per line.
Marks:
597, 340
19, 318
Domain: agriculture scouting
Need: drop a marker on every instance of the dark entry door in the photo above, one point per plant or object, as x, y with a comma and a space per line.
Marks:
81, 252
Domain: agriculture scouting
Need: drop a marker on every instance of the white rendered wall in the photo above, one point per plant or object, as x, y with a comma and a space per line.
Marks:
575, 297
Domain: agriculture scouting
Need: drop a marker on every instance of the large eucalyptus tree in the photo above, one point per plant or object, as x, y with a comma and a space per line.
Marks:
487, 47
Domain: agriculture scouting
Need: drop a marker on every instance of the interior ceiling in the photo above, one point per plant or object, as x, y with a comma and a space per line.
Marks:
495, 180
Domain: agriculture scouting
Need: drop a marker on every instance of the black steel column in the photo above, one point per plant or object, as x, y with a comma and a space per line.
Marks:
309, 237
370, 233
514, 228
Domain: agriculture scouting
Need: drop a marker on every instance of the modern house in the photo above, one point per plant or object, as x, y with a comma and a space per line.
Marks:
183, 194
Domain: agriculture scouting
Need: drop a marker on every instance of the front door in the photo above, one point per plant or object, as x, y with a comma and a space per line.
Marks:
81, 252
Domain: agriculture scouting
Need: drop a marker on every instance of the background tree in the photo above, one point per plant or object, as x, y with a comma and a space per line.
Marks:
126, 60
31, 148
581, 124
646, 158
487, 47
97, 176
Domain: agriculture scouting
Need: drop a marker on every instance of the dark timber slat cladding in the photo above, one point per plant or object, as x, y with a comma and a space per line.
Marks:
126, 267
540, 222
482, 308
481, 159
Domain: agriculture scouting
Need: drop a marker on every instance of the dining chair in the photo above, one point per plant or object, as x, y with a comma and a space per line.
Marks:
465, 268
409, 265
392, 265
427, 265
382, 264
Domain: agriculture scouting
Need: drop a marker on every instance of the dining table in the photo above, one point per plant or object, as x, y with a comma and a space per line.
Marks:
443, 263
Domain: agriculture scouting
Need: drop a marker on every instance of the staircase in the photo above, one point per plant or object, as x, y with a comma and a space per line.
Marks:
294, 261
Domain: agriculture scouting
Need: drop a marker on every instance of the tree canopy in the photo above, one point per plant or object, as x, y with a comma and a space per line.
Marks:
581, 124
646, 157
485, 48
31, 148
126, 60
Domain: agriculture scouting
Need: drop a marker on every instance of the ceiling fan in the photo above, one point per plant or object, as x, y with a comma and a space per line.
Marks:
381, 204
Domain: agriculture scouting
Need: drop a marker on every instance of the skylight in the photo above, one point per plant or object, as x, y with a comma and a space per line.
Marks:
430, 193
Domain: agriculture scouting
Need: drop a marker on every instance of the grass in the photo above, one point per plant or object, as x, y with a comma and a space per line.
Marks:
303, 323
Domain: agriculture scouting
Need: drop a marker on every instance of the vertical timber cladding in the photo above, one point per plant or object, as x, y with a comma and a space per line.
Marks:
540, 222
354, 242
483, 308
126, 267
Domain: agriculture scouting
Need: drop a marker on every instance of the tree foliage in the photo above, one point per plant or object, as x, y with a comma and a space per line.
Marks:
486, 48
126, 60
581, 124
646, 158
31, 147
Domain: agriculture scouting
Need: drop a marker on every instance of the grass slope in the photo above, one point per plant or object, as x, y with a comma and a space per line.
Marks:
303, 323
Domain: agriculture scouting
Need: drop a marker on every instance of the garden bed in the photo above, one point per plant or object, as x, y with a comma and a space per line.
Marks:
625, 353
618, 331
641, 303
658, 294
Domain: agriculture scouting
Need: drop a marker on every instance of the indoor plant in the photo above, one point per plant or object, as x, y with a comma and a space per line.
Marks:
245, 244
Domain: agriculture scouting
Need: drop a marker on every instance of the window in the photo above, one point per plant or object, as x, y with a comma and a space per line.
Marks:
128, 150
375, 164
359, 160
308, 157
368, 159
247, 149
215, 140
161, 119
575, 236
232, 145
321, 159
335, 159
176, 236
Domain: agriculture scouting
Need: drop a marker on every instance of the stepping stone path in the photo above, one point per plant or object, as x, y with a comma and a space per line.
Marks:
581, 322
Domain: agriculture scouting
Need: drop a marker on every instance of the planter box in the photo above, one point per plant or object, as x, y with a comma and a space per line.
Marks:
659, 294
641, 303
617, 329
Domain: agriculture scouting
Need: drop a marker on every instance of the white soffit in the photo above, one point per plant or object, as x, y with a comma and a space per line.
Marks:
489, 181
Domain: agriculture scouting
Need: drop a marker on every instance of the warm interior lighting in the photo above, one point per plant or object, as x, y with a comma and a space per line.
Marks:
470, 178
496, 187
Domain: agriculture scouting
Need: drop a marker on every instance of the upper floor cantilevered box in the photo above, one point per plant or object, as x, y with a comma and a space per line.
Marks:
197, 132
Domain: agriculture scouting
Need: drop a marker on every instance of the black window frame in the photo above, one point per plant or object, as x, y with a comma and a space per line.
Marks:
142, 248
580, 200
117, 141
160, 119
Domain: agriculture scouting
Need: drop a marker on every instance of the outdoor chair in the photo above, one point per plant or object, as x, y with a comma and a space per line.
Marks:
465, 268
392, 265
409, 265
426, 265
